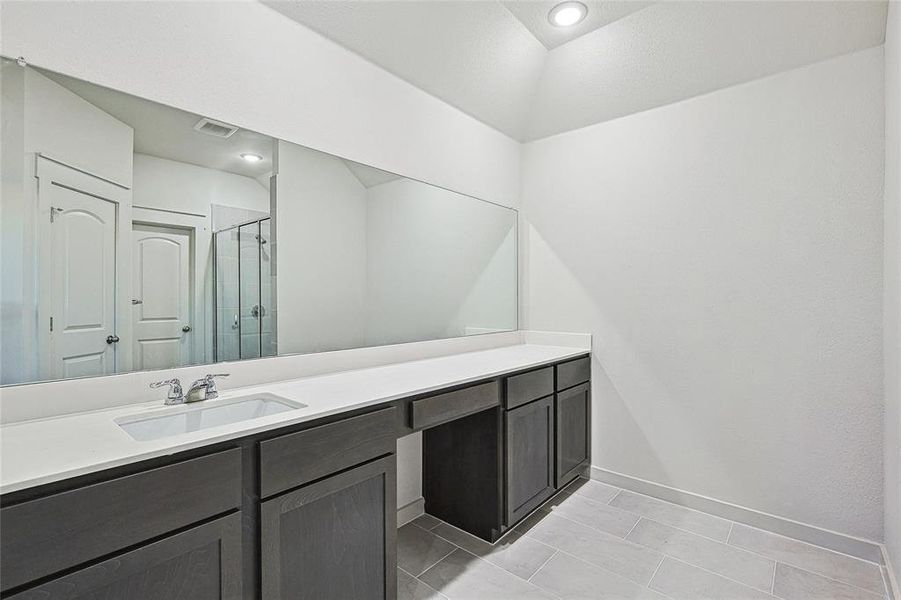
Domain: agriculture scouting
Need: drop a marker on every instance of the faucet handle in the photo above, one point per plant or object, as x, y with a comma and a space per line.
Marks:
211, 391
175, 394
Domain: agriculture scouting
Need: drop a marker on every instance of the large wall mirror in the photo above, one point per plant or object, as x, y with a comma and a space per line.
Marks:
138, 236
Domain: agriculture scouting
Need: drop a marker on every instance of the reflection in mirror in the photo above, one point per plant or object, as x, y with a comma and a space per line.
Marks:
138, 236
372, 258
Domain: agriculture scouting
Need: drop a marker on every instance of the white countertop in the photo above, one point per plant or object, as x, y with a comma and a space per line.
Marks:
46, 450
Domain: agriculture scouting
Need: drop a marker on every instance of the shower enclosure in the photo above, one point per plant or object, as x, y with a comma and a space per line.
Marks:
243, 299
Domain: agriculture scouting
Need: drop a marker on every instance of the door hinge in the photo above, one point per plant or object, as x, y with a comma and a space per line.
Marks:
51, 323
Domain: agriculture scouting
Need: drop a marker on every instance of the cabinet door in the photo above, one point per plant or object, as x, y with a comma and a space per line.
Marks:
202, 563
530, 457
335, 538
573, 432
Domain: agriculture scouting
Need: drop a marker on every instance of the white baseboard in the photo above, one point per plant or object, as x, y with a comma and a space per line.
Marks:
410, 511
890, 575
839, 542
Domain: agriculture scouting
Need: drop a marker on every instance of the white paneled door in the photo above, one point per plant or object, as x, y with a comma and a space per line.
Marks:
161, 286
82, 283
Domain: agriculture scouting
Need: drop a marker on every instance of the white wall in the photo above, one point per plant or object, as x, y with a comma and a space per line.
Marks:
321, 252
40, 116
181, 187
438, 264
892, 340
65, 127
251, 66
726, 254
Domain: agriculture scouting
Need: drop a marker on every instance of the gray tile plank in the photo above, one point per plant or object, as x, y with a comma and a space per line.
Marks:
574, 579
595, 490
859, 573
418, 549
632, 561
681, 581
673, 514
520, 555
798, 584
410, 588
581, 509
426, 521
729, 561
464, 575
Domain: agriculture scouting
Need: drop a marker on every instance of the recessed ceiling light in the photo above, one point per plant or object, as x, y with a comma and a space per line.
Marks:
567, 14
251, 158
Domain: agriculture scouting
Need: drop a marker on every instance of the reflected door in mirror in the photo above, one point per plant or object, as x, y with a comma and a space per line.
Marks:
162, 287
82, 282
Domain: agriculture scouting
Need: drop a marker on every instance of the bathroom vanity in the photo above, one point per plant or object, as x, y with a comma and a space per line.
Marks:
305, 506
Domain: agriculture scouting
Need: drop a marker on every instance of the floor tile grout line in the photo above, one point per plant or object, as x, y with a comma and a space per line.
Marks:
626, 537
731, 528
823, 548
721, 576
805, 569
657, 568
679, 506
688, 562
455, 548
615, 497
603, 568
421, 581
833, 579
485, 558
542, 565
754, 552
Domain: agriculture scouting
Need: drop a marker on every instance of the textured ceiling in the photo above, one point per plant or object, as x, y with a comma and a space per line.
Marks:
491, 59
167, 132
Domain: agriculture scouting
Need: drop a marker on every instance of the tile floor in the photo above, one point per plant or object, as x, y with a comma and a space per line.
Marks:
600, 542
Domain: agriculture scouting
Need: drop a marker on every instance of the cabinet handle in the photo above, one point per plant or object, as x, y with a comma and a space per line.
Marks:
112, 339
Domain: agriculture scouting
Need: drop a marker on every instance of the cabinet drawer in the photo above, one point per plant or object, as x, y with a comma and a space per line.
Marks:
201, 563
533, 385
452, 405
292, 460
47, 535
573, 372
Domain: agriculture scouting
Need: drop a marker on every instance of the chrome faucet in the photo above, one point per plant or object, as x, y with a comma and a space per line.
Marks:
202, 389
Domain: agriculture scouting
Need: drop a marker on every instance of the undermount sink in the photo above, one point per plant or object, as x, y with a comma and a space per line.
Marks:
203, 415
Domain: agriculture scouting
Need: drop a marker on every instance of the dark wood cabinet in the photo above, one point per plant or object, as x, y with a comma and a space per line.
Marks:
201, 563
307, 511
335, 538
573, 423
530, 457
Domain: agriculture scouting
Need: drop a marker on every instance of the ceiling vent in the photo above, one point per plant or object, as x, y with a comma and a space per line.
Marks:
216, 128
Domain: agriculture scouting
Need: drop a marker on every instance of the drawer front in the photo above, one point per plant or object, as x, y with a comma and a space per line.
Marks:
202, 563
573, 372
47, 535
452, 405
522, 389
292, 460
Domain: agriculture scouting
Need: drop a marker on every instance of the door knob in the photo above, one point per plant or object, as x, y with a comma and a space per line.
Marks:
186, 328
112, 339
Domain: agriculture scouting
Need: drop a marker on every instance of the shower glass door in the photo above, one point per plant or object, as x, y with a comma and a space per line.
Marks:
244, 327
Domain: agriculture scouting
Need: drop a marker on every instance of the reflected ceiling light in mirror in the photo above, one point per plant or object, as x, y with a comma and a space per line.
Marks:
567, 14
251, 158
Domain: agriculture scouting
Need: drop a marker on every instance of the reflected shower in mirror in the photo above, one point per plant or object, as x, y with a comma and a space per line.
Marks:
138, 236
